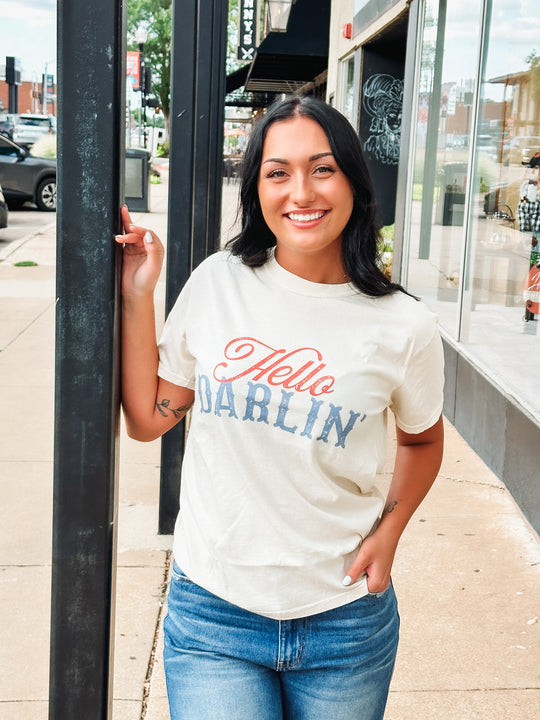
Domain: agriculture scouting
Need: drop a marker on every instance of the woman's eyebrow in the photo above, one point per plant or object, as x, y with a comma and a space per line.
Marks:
281, 161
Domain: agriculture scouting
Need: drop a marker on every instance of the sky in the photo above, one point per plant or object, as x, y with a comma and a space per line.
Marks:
28, 32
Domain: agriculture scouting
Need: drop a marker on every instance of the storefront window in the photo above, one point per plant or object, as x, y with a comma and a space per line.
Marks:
472, 243
502, 288
347, 90
449, 58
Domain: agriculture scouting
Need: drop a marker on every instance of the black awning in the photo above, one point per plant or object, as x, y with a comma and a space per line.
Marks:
237, 79
286, 61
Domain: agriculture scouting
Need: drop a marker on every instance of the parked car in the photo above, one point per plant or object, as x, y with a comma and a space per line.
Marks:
3, 210
30, 127
24, 177
521, 149
485, 145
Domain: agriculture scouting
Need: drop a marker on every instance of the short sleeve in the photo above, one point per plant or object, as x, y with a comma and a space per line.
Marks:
176, 363
417, 402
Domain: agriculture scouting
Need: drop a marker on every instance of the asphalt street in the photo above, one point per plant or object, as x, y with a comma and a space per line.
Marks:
23, 223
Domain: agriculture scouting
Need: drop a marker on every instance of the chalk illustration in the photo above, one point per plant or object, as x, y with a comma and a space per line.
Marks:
382, 99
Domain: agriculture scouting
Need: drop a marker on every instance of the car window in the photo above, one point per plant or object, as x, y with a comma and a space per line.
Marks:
34, 122
7, 149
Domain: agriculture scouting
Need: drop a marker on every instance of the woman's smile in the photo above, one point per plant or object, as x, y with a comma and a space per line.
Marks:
306, 219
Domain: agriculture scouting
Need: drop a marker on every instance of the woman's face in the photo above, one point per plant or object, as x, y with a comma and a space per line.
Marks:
393, 119
306, 199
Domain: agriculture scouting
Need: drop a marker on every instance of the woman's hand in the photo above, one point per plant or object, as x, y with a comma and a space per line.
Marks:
418, 459
142, 258
374, 559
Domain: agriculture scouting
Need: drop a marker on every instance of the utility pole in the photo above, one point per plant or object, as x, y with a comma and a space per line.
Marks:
91, 68
195, 178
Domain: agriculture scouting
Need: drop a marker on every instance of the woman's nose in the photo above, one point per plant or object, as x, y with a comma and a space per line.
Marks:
302, 192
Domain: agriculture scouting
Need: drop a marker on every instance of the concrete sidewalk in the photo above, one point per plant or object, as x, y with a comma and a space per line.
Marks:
467, 574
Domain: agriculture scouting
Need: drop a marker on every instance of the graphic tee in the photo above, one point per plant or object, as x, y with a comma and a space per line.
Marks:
292, 384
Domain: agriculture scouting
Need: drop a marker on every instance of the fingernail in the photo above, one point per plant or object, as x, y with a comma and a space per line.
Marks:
347, 580
132, 227
148, 238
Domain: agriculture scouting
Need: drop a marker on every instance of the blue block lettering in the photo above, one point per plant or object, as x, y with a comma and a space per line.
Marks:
225, 388
205, 394
334, 420
283, 408
262, 403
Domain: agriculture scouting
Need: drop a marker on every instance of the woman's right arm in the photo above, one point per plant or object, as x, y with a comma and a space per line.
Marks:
151, 404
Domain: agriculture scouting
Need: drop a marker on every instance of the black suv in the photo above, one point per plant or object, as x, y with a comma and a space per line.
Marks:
24, 177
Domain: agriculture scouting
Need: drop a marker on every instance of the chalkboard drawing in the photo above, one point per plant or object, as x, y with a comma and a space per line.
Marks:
382, 98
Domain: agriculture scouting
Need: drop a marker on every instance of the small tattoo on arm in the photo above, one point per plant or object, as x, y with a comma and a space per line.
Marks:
390, 507
164, 408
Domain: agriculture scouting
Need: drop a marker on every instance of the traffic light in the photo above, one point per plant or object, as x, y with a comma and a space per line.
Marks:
147, 80
153, 102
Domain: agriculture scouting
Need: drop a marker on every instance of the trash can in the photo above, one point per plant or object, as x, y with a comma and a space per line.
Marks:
138, 179
451, 204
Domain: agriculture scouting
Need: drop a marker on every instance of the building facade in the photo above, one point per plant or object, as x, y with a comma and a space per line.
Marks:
29, 98
446, 99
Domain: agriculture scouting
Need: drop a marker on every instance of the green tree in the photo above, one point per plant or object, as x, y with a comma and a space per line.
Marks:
155, 17
232, 37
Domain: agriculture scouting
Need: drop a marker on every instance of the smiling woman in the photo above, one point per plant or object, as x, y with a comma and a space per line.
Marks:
289, 347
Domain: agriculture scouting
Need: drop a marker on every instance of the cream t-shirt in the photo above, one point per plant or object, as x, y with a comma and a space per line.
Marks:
292, 383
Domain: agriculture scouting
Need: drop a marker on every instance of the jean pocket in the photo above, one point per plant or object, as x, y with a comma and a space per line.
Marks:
379, 594
178, 574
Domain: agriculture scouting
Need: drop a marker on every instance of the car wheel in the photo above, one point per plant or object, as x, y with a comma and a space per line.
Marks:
46, 195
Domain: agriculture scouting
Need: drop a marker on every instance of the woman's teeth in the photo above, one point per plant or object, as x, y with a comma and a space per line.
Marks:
297, 217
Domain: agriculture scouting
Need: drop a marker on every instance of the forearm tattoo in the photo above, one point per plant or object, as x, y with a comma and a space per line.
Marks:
164, 408
390, 507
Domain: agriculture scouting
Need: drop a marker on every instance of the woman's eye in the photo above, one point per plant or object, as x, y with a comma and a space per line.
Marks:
276, 174
322, 169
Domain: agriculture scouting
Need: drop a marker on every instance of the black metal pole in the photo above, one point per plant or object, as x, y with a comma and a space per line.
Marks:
91, 68
217, 117
143, 88
13, 99
196, 146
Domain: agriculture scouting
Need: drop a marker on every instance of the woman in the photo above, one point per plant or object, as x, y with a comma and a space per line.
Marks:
290, 347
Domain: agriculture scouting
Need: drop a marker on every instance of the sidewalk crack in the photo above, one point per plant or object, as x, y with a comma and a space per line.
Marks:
152, 659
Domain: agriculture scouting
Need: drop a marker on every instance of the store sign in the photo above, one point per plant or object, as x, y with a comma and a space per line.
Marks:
247, 30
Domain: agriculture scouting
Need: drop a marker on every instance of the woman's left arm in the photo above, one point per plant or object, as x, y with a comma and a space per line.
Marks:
418, 459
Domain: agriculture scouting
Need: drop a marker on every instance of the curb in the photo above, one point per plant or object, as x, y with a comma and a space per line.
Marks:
16, 244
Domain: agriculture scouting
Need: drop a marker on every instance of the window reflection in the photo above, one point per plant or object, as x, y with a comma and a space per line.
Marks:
474, 212
502, 299
444, 120
347, 108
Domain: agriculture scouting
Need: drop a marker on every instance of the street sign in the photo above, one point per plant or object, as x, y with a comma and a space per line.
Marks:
247, 30
133, 66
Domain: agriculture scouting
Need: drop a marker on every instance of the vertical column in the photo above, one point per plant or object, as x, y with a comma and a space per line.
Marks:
217, 118
91, 70
406, 157
432, 135
196, 148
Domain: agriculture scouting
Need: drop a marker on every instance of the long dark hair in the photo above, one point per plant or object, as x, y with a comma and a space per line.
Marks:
361, 235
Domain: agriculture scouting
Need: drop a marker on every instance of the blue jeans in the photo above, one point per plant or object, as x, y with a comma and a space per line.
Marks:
225, 663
